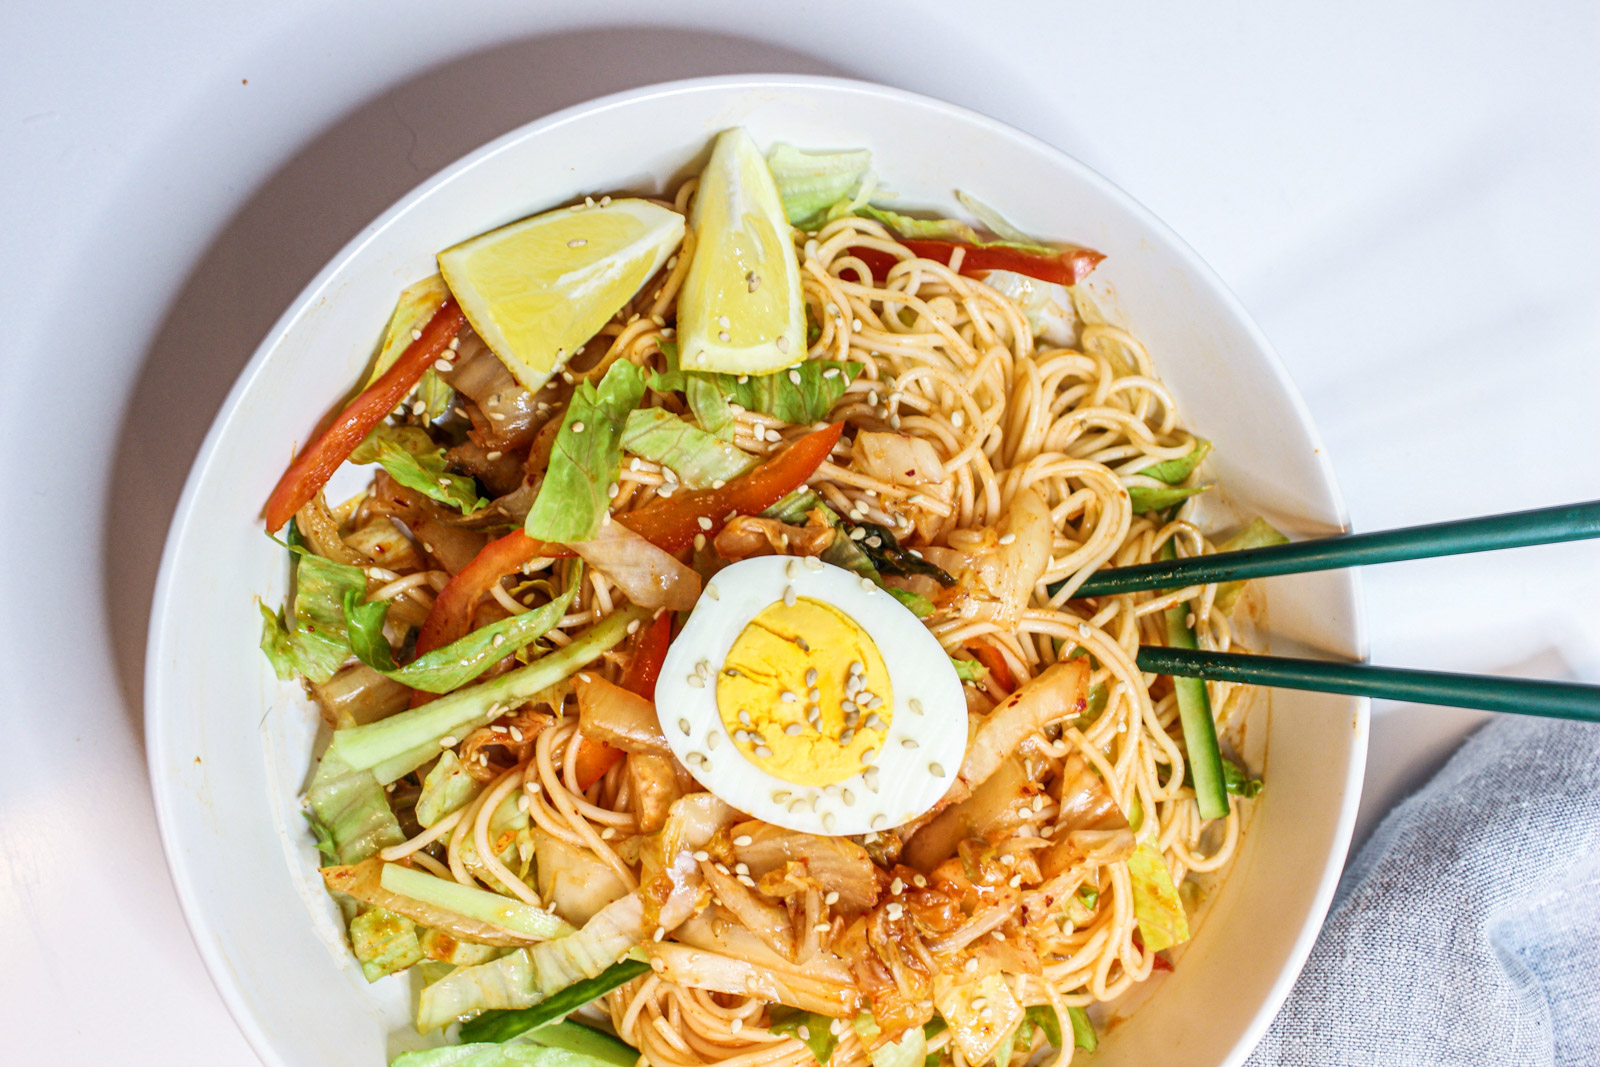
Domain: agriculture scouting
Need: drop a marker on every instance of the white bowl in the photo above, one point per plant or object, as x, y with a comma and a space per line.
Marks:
230, 747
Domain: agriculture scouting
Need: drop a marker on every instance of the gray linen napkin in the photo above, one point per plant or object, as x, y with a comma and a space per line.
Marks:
1467, 931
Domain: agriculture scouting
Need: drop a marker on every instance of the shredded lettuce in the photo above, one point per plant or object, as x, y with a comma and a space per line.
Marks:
1259, 534
401, 743
413, 460
1173, 472
812, 183
909, 1051
912, 227
352, 811
572, 500
696, 456
508, 913
968, 670
1001, 227
524, 978
447, 788
310, 637
916, 603
1156, 907
462, 660
496, 1055
801, 394
813, 1031
384, 942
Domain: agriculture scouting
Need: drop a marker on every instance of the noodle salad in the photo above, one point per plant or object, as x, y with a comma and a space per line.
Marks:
702, 660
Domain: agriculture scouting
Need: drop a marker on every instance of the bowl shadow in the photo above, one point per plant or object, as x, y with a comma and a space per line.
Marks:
302, 215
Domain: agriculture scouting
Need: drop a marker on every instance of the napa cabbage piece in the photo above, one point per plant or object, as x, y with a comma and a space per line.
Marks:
587, 453
412, 310
980, 1014
909, 1051
364, 882
447, 788
698, 457
413, 460
1258, 534
400, 744
462, 660
1162, 920
812, 185
489, 1054
310, 636
384, 942
1173, 473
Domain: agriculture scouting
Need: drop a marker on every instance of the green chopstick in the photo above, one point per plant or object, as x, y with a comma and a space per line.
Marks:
1570, 522
1518, 696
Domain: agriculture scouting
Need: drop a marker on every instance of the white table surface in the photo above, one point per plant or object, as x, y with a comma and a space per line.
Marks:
1407, 197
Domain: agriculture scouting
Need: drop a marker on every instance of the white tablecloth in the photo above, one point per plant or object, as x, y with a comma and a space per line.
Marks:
1405, 196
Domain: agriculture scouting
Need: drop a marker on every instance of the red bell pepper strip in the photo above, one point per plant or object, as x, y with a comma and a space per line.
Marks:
316, 463
450, 618
1000, 675
1067, 267
595, 758
672, 523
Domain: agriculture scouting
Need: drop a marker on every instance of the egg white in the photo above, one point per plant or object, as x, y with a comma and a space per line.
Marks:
929, 707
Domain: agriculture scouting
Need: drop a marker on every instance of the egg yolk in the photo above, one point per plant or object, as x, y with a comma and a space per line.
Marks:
805, 694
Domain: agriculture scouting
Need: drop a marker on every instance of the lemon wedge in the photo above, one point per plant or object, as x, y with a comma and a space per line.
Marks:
537, 289
740, 310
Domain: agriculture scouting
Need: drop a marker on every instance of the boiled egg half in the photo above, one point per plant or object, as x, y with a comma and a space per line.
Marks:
808, 697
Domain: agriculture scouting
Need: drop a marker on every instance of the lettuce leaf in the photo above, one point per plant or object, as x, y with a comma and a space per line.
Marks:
912, 227
696, 456
462, 660
491, 1054
813, 1031
503, 1025
1001, 227
916, 603
1173, 472
413, 460
447, 787
310, 638
801, 394
572, 500
350, 812
401, 743
810, 184
384, 942
968, 670
1259, 534
1162, 920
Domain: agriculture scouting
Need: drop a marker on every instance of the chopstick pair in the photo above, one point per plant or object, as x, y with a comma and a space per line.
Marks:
1564, 700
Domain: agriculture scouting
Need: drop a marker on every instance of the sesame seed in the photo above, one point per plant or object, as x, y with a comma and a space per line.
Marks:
683, 724
804, 647
699, 542
908, 742
789, 596
813, 695
724, 336
516, 734
633, 626
744, 717
823, 928
441, 364
832, 898
866, 584
711, 591
811, 677
855, 324
447, 741
936, 769
1015, 882
872, 397
957, 418
1008, 860
783, 344
752, 281
979, 1003
848, 797
612, 490
796, 804
718, 484
791, 569
805, 1032
492, 456
661, 932
763, 752
416, 335
895, 910
788, 697
874, 541
608, 833
867, 754
870, 776
1083, 629
499, 639
794, 376
579, 242
915, 705
577, 427
827, 821
846, 736
1006, 539
419, 407
736, 1025
524, 803
781, 796
696, 681
704, 523
879, 822
813, 563
793, 729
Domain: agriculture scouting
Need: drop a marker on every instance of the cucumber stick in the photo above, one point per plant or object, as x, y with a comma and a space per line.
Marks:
1194, 712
